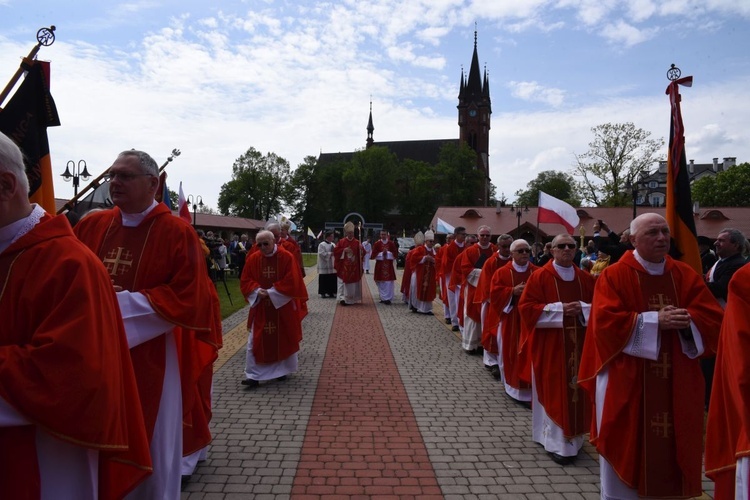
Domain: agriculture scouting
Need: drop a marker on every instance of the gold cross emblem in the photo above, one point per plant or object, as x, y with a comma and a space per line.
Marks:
662, 368
574, 360
269, 272
658, 302
269, 328
661, 425
118, 261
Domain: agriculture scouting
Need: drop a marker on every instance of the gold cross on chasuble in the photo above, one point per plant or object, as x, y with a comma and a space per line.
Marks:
658, 302
118, 261
661, 425
269, 272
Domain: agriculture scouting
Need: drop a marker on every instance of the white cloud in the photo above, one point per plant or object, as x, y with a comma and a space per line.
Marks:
622, 33
534, 92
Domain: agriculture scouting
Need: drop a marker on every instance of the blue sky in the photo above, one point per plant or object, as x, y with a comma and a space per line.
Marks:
295, 77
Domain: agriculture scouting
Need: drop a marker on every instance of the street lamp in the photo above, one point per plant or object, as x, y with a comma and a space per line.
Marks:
196, 201
518, 215
76, 175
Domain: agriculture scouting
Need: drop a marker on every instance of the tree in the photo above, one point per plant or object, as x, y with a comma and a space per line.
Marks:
458, 177
619, 154
730, 188
259, 186
174, 199
305, 202
370, 182
558, 184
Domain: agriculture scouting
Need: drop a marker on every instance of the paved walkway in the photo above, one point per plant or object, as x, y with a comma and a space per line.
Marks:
385, 405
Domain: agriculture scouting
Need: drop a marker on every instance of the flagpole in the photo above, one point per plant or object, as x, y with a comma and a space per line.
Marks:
45, 37
97, 182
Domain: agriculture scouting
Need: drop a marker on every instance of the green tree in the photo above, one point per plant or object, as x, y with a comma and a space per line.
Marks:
619, 154
259, 187
174, 199
730, 188
305, 201
417, 194
558, 184
458, 178
370, 182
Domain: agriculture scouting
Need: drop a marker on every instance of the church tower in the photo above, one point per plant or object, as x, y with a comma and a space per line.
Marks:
474, 110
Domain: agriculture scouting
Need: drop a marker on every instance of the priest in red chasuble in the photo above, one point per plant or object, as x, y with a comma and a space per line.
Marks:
348, 259
728, 431
71, 424
274, 288
554, 308
452, 284
440, 266
506, 288
423, 286
472, 261
652, 318
155, 262
490, 317
385, 253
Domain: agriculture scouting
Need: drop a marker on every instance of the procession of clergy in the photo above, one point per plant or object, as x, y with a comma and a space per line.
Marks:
107, 343
615, 356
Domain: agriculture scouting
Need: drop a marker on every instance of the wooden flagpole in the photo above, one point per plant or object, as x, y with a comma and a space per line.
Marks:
45, 37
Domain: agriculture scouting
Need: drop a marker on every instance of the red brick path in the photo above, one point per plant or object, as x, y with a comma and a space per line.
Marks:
362, 439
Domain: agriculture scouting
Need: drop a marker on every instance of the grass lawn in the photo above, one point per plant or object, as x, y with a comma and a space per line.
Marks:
233, 284
310, 259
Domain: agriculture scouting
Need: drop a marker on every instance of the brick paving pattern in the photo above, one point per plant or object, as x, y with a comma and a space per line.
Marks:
384, 399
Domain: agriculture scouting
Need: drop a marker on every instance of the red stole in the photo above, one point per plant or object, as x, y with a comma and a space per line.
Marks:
384, 270
349, 268
663, 417
274, 336
426, 276
508, 278
121, 252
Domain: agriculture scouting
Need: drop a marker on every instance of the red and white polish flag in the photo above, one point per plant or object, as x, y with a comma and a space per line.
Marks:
552, 210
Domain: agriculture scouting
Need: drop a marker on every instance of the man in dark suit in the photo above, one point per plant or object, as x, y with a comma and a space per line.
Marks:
729, 245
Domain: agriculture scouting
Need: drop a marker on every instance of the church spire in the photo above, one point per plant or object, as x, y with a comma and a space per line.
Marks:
474, 83
370, 128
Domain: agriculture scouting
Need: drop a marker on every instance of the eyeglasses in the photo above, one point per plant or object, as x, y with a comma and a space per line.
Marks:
522, 250
124, 177
484, 235
563, 246
264, 244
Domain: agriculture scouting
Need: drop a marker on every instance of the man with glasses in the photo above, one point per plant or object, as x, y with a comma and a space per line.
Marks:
490, 317
273, 286
471, 269
70, 422
554, 309
506, 288
651, 320
165, 304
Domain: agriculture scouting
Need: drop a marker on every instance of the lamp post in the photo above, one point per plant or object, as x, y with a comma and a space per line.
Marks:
518, 212
73, 171
196, 201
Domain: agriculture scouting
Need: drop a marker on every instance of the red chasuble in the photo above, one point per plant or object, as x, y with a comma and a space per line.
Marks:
452, 252
652, 420
440, 269
728, 431
555, 353
276, 332
384, 270
501, 293
473, 258
293, 248
160, 258
64, 362
492, 317
426, 276
349, 269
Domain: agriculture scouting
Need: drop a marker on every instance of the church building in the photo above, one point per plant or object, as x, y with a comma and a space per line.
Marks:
474, 110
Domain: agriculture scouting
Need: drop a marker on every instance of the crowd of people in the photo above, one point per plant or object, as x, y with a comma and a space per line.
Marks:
621, 352
614, 342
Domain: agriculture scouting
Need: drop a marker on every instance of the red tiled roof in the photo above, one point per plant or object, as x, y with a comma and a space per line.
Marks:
209, 221
708, 221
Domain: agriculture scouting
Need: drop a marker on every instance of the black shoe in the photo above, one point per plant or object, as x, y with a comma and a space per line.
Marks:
185, 479
413, 309
559, 459
250, 383
343, 303
447, 321
387, 302
367, 272
281, 379
488, 367
455, 328
495, 372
